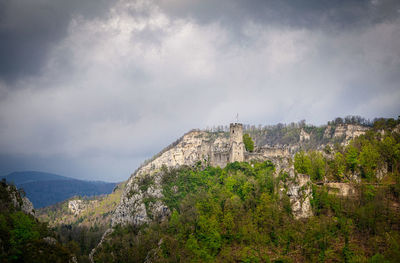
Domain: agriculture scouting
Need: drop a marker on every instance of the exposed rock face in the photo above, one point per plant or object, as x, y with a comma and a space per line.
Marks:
139, 205
27, 206
304, 136
141, 202
299, 192
349, 131
328, 133
192, 147
19, 202
78, 206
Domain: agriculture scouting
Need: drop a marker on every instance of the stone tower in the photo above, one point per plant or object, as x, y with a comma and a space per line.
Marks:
236, 142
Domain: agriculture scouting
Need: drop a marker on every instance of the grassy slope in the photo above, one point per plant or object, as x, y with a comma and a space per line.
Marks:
85, 229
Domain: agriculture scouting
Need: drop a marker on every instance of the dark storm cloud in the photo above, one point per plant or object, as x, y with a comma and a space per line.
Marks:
309, 13
29, 28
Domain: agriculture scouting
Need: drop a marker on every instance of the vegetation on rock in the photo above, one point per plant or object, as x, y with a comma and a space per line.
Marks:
242, 214
248, 142
368, 157
237, 214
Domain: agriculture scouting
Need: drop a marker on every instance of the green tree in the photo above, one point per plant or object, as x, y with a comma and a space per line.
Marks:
368, 160
248, 142
339, 165
302, 163
352, 157
317, 171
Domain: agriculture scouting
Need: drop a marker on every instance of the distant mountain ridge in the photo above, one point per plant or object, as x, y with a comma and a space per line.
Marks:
33, 176
44, 189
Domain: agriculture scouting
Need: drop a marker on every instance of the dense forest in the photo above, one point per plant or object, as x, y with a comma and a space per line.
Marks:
241, 214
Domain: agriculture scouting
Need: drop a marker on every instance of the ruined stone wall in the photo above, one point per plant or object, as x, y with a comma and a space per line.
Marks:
220, 159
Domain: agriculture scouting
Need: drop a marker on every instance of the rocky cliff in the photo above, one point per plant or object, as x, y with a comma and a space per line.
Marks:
193, 147
19, 201
213, 148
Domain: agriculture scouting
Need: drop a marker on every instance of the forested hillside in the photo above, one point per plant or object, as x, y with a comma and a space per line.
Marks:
242, 213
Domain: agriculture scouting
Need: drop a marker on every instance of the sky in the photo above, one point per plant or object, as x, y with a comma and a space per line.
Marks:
92, 88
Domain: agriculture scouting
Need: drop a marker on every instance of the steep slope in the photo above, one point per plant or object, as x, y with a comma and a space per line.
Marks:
22, 237
45, 189
193, 147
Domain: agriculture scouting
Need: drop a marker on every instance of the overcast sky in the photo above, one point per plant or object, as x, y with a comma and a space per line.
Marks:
90, 89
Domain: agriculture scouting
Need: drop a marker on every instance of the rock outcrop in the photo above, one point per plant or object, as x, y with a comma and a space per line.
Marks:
20, 202
349, 131
304, 136
78, 206
192, 147
298, 189
27, 206
141, 204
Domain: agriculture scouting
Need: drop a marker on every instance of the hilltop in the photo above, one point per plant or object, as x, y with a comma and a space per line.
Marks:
332, 194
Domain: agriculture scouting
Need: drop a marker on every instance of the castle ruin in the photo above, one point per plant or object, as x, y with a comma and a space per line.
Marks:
236, 152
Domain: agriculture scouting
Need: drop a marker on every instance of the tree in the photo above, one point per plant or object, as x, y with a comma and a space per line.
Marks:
317, 171
368, 159
302, 163
339, 165
352, 157
248, 142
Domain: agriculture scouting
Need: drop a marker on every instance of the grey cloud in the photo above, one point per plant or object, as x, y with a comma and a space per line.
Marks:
117, 85
339, 14
29, 28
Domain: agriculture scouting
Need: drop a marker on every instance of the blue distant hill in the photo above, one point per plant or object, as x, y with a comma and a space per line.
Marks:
44, 189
